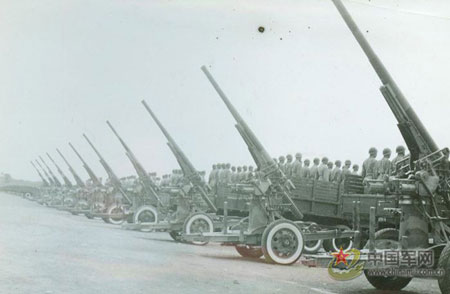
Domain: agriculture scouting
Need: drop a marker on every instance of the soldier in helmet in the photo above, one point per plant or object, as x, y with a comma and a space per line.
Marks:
306, 170
323, 170
244, 174
355, 169
239, 174
233, 175
288, 166
282, 164
400, 150
297, 166
250, 174
346, 169
370, 165
384, 166
336, 173
213, 176
314, 174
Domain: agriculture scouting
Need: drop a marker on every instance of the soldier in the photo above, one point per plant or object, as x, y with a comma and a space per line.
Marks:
323, 170
281, 164
239, 174
327, 172
400, 156
244, 174
213, 176
221, 169
288, 166
314, 172
336, 173
251, 173
233, 175
346, 170
297, 166
370, 165
384, 166
355, 169
226, 174
173, 178
306, 170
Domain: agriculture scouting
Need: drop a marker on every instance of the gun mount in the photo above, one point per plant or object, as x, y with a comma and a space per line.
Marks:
280, 184
46, 184
115, 181
55, 179
146, 180
77, 178
187, 167
61, 173
90, 172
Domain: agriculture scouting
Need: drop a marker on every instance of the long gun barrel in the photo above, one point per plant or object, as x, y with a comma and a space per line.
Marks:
260, 155
417, 138
50, 180
115, 181
90, 172
55, 179
146, 180
77, 178
188, 168
40, 175
61, 173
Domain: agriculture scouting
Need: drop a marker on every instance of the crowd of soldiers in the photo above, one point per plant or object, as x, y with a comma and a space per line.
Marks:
321, 169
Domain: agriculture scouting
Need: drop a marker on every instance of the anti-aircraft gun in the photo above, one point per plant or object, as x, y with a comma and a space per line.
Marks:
95, 180
189, 215
148, 210
424, 201
66, 180
44, 181
77, 178
261, 233
115, 212
55, 179
50, 180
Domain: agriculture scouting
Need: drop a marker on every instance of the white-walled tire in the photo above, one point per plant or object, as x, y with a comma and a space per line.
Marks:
312, 247
146, 215
198, 223
115, 209
282, 242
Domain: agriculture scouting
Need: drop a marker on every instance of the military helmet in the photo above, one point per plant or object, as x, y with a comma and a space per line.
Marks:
316, 160
355, 166
386, 151
289, 156
228, 165
400, 149
324, 159
373, 150
281, 158
348, 162
233, 168
307, 161
298, 155
337, 162
239, 168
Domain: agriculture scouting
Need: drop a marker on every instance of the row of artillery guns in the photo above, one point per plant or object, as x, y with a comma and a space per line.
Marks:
273, 216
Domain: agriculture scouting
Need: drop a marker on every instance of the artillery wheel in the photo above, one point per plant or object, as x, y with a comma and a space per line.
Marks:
282, 242
387, 239
146, 215
334, 245
176, 235
198, 223
312, 247
115, 220
444, 263
249, 251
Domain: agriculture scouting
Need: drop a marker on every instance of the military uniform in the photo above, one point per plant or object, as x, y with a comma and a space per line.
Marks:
314, 172
296, 167
369, 168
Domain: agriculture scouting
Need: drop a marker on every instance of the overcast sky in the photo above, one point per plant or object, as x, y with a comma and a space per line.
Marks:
302, 85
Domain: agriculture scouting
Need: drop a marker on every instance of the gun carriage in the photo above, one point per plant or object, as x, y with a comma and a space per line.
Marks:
56, 193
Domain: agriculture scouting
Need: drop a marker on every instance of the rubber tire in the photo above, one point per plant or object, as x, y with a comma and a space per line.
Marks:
111, 220
249, 251
266, 243
176, 236
388, 283
313, 249
141, 210
444, 263
330, 244
188, 223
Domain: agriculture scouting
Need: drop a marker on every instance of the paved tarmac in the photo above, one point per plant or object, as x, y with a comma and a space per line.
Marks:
43, 250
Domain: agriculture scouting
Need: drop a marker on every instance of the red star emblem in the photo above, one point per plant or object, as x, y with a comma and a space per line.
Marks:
340, 257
